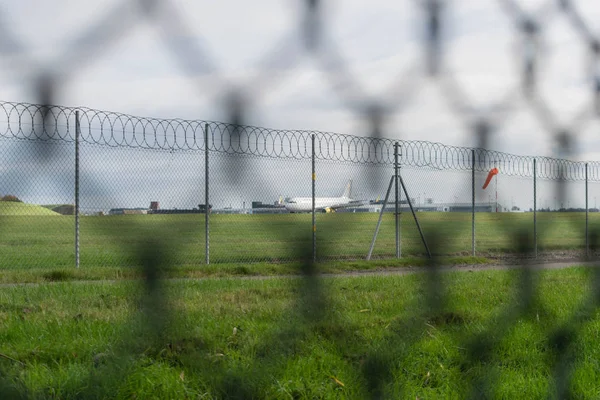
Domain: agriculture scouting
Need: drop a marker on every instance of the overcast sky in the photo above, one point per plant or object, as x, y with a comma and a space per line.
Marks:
255, 45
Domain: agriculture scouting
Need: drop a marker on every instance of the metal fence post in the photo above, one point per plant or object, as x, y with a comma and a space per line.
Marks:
206, 199
314, 224
77, 129
587, 242
396, 198
535, 250
473, 202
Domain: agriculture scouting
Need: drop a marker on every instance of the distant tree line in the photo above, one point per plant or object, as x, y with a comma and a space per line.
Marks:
10, 197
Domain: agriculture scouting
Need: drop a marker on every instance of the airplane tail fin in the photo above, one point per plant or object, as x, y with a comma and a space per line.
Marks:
348, 191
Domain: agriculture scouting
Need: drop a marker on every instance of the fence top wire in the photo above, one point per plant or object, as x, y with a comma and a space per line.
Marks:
107, 128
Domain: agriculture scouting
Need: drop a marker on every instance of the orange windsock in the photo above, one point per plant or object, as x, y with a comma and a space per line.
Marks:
493, 171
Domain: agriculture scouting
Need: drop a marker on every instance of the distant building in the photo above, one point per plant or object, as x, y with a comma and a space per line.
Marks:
449, 207
271, 210
375, 206
200, 210
127, 211
260, 204
380, 201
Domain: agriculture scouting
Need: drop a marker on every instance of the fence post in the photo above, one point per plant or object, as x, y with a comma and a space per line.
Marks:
587, 242
206, 199
77, 129
396, 216
535, 208
473, 202
314, 225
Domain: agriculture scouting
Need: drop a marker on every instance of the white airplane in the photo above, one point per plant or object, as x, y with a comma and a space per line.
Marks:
323, 204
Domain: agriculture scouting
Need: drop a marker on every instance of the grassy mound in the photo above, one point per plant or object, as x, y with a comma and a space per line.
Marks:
15, 208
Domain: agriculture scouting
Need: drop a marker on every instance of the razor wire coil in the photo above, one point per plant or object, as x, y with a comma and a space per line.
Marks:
115, 129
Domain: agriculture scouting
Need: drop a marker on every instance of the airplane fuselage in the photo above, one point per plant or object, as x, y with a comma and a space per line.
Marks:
304, 204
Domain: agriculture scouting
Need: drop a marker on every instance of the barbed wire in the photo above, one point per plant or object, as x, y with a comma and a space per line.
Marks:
114, 129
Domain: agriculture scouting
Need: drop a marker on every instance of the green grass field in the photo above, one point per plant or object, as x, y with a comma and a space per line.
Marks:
343, 338
41, 241
276, 338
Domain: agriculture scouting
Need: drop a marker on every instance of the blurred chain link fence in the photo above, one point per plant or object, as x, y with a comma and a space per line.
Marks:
122, 163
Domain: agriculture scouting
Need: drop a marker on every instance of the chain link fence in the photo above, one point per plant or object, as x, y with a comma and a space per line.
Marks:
158, 173
91, 188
